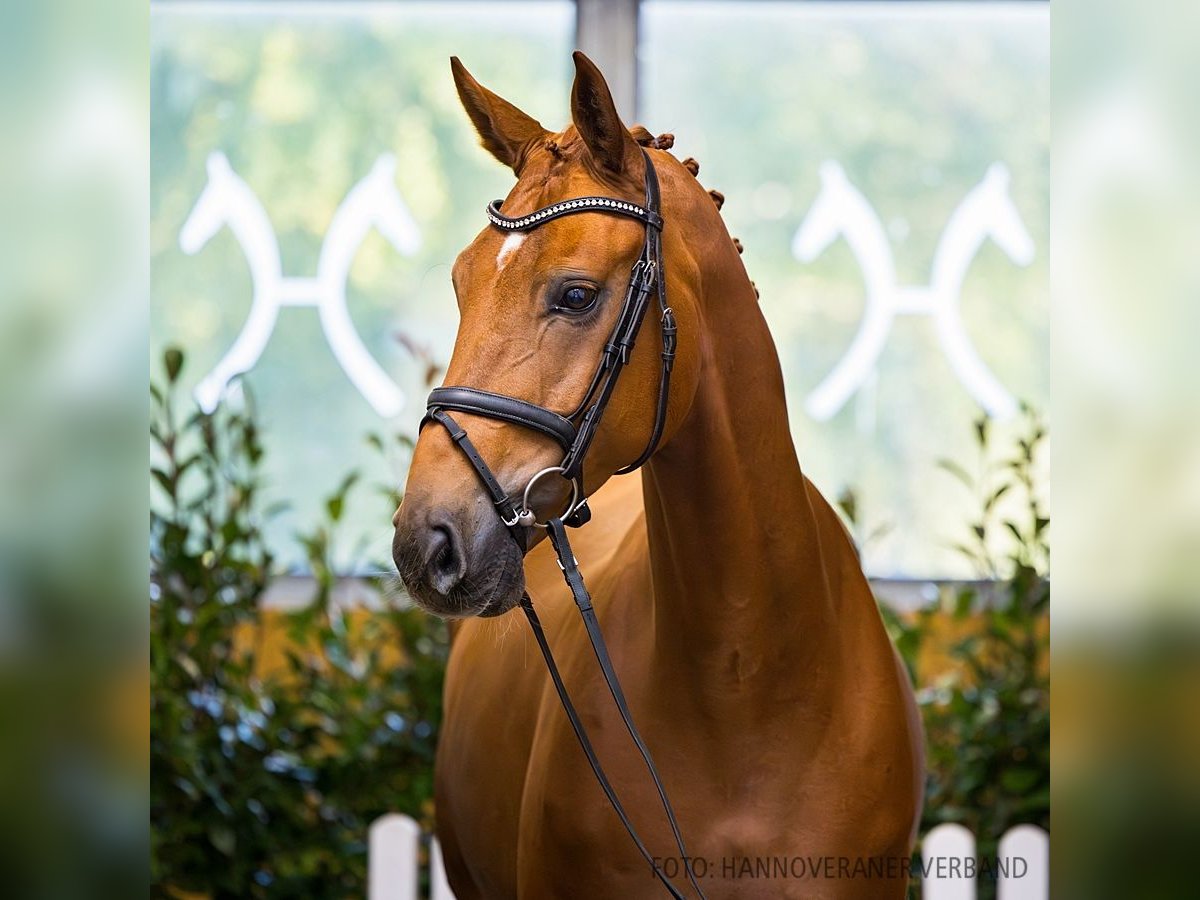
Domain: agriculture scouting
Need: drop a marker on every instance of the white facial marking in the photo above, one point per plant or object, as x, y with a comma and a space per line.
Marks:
508, 248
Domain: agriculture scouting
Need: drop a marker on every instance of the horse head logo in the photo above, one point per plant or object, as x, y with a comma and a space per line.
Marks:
388, 212
208, 214
840, 209
999, 215
372, 203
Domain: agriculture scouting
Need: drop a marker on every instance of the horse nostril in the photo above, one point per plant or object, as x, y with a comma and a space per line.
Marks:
445, 564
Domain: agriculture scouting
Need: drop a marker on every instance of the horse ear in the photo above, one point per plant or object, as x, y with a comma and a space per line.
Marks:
504, 130
595, 117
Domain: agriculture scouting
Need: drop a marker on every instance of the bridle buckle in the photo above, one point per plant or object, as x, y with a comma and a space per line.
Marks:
649, 273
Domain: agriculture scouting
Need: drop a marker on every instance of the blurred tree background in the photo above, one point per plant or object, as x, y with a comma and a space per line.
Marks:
276, 737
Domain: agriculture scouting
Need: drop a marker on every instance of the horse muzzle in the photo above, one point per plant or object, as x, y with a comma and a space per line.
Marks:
460, 564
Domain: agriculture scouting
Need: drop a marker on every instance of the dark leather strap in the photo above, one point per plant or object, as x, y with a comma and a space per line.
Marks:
669, 337
647, 275
503, 503
539, 634
508, 409
583, 600
617, 352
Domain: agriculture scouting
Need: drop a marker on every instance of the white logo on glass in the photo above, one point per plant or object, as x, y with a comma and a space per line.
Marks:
840, 208
373, 202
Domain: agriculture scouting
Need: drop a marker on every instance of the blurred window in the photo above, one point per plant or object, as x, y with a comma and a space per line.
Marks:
886, 166
312, 179
861, 147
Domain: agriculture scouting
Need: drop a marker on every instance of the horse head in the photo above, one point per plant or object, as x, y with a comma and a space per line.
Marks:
1000, 216
212, 208
537, 307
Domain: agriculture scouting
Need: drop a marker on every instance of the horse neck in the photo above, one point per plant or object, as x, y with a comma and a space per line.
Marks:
961, 239
746, 557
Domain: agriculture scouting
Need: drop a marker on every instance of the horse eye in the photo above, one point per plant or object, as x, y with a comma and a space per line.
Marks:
577, 298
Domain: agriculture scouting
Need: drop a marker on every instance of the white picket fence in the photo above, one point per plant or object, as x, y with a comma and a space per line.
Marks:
1022, 866
393, 858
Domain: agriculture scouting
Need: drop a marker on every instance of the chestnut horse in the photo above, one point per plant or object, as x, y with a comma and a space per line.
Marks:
737, 614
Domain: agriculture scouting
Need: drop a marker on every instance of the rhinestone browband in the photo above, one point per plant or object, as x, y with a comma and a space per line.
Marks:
567, 207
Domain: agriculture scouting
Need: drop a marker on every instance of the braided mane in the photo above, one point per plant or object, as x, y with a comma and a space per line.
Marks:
666, 141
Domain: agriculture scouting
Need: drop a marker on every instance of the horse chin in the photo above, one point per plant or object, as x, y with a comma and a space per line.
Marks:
499, 605
493, 590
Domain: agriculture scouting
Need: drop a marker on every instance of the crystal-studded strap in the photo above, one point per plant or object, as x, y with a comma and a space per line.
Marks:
569, 207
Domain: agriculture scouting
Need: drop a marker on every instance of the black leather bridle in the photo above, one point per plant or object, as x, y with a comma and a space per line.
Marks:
574, 432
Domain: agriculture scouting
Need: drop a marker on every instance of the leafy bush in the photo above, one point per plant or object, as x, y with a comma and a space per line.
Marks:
987, 717
264, 779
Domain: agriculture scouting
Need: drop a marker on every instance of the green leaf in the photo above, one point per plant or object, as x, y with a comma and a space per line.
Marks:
847, 500
348, 482
1019, 780
335, 505
173, 363
949, 465
981, 430
879, 531
969, 552
223, 838
996, 495
164, 480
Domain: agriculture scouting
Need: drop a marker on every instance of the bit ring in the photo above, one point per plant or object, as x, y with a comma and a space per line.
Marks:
525, 515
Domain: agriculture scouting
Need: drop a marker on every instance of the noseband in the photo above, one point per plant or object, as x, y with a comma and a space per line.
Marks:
574, 432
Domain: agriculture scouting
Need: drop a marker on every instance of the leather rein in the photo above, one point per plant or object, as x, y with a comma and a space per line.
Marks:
574, 432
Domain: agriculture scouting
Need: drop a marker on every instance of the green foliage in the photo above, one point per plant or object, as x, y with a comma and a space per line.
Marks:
264, 780
987, 720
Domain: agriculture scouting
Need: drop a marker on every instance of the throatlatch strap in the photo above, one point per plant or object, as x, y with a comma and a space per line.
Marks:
583, 600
